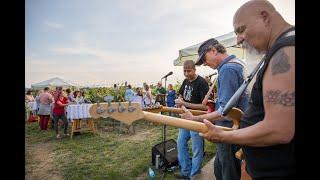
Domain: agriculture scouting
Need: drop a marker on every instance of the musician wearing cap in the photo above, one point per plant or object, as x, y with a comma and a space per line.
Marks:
267, 128
230, 77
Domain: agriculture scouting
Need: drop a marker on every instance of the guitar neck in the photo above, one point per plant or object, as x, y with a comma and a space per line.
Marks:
179, 123
180, 111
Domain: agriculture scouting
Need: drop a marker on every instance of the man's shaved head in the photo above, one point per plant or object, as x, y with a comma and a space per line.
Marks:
254, 8
257, 24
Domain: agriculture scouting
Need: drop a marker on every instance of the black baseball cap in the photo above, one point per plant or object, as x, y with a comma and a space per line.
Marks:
204, 48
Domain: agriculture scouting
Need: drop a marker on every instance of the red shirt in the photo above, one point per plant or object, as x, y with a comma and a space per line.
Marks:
58, 108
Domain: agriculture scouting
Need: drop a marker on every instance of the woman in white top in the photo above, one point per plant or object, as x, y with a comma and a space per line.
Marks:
147, 98
78, 98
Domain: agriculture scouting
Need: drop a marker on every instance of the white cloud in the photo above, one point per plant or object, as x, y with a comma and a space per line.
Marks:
53, 24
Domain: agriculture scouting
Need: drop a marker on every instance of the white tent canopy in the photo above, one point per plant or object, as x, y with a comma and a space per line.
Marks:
229, 41
53, 82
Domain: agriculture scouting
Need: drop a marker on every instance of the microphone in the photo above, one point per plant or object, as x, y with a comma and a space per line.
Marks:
212, 75
170, 73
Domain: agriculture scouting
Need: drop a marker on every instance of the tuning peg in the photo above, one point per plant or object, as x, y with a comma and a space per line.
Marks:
109, 98
130, 108
121, 108
100, 109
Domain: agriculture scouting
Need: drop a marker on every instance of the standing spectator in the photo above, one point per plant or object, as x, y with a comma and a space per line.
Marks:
29, 100
129, 93
59, 113
78, 98
45, 109
85, 100
161, 94
70, 95
29, 97
171, 96
138, 97
37, 99
147, 98
57, 92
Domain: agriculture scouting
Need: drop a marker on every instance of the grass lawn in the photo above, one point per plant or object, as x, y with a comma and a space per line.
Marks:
108, 154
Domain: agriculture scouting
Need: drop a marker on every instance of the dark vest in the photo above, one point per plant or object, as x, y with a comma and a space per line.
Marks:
277, 161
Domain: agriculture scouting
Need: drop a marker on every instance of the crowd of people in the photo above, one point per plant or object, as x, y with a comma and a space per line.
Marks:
51, 105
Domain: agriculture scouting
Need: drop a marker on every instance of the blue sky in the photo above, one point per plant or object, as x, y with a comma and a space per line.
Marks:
110, 41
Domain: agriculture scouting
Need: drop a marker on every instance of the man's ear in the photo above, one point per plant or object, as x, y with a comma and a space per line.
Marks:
265, 16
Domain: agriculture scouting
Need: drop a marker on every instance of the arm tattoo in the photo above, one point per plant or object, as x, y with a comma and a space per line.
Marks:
280, 63
278, 97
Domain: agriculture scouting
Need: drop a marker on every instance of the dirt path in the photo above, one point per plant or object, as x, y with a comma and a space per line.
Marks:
39, 163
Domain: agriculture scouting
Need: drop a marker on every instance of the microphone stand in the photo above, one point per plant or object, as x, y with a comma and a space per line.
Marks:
164, 134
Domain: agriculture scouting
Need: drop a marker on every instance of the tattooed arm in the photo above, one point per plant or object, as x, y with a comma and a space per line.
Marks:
278, 125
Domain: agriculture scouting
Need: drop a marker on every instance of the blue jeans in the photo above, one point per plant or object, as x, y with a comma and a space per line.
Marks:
226, 165
189, 168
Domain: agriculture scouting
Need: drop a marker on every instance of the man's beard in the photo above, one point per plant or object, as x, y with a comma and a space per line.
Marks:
251, 50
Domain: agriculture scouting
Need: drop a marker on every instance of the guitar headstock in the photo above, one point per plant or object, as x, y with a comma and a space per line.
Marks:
125, 112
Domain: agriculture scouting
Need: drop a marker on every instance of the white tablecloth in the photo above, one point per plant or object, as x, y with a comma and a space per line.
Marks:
78, 111
32, 105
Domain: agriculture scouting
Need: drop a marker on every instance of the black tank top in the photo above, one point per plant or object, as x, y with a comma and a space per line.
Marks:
277, 161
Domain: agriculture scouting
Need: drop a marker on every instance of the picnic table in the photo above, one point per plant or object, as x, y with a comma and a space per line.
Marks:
77, 113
